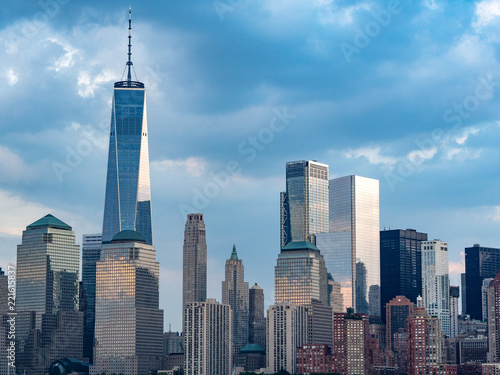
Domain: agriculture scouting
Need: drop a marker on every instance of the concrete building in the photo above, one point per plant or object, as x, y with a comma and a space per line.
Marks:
257, 320
454, 297
494, 320
397, 312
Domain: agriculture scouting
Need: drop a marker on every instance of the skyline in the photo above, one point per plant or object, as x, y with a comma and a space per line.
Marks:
214, 84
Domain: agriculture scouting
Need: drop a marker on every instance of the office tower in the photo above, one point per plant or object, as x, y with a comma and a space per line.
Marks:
194, 260
48, 264
436, 282
484, 298
91, 253
352, 249
127, 204
350, 342
304, 205
128, 321
464, 293
424, 344
397, 312
494, 319
173, 342
454, 296
256, 318
319, 323
207, 338
480, 263
286, 331
300, 275
335, 297
400, 265
235, 294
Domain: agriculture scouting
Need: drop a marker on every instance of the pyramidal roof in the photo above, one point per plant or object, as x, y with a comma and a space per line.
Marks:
49, 221
234, 254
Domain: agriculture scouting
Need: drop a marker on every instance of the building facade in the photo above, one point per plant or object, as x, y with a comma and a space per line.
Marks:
352, 248
256, 318
436, 281
300, 275
397, 312
335, 297
235, 294
480, 263
47, 296
494, 319
207, 338
304, 205
286, 331
128, 321
454, 297
401, 264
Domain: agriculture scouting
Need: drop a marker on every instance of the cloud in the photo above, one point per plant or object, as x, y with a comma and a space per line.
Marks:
87, 85
462, 138
67, 59
372, 154
457, 268
194, 166
13, 168
12, 77
418, 156
486, 12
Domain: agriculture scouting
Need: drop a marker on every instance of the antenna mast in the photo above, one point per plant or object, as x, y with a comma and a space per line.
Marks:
129, 62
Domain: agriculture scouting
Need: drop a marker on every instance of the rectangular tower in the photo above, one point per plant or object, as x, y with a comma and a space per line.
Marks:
304, 205
257, 320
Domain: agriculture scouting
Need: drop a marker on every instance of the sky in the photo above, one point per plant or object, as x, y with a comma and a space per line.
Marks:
406, 92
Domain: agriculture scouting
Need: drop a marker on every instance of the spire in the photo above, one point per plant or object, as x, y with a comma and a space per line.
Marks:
234, 254
129, 62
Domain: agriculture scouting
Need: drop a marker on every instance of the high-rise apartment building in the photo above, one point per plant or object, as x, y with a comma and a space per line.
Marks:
286, 331
400, 265
300, 275
319, 321
484, 298
48, 265
128, 321
397, 312
480, 263
194, 260
207, 338
494, 319
127, 204
235, 294
454, 297
436, 281
256, 318
352, 248
304, 205
91, 253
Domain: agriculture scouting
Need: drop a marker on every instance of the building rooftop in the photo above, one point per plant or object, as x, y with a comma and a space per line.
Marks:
300, 245
49, 221
252, 348
128, 236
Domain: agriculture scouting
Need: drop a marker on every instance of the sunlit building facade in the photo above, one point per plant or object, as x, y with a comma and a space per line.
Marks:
304, 205
128, 321
352, 248
436, 281
300, 275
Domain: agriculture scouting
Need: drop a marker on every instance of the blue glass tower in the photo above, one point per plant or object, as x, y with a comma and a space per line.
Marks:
127, 203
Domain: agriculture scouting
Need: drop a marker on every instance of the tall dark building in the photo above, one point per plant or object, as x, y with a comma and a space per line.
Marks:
480, 263
256, 319
400, 265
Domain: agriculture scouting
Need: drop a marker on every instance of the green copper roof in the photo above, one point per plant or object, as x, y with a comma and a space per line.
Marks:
49, 221
128, 236
234, 254
300, 245
252, 348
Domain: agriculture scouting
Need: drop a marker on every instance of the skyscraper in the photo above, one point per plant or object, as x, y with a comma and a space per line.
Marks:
91, 253
194, 260
454, 296
480, 263
304, 205
335, 297
436, 282
49, 325
300, 275
494, 319
128, 321
397, 312
207, 338
401, 265
256, 321
352, 248
235, 294
127, 204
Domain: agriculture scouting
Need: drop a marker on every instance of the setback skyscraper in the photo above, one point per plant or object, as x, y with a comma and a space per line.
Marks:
304, 205
127, 204
352, 248
49, 325
235, 294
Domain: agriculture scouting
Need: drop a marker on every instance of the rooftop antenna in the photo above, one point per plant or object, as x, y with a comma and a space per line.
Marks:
129, 62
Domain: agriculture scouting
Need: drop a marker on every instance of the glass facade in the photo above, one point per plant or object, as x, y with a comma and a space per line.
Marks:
300, 275
127, 203
304, 206
49, 325
352, 248
128, 321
